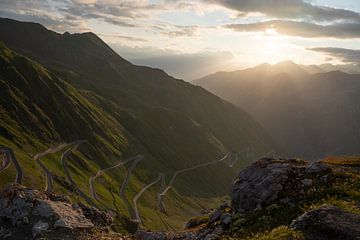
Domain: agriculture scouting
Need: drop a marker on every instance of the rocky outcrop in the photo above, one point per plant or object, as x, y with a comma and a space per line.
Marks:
28, 214
328, 223
268, 180
217, 222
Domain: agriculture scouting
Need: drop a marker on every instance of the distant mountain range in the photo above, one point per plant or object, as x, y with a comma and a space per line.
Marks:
63, 87
309, 114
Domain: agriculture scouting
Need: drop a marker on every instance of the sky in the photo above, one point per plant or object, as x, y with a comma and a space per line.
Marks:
193, 38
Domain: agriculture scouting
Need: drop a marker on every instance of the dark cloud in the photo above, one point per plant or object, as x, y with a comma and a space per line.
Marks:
302, 29
289, 9
344, 54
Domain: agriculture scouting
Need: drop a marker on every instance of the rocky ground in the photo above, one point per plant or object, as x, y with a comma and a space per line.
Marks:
30, 214
280, 199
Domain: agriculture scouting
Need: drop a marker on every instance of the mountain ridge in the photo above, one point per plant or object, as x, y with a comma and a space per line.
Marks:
293, 110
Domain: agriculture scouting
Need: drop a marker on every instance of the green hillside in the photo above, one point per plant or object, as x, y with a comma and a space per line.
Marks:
81, 89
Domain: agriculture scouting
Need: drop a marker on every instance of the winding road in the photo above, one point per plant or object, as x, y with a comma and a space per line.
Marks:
140, 193
102, 172
67, 173
9, 156
6, 161
48, 174
161, 204
129, 171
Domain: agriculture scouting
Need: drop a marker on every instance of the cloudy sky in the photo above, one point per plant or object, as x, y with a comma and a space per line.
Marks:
191, 38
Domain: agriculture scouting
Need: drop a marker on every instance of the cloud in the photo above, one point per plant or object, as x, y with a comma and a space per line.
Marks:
180, 31
123, 37
186, 66
302, 29
344, 54
43, 12
289, 9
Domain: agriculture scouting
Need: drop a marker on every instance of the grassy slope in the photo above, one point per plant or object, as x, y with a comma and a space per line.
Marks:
122, 110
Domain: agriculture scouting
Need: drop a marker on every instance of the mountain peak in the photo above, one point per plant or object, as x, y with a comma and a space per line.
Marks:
286, 63
290, 68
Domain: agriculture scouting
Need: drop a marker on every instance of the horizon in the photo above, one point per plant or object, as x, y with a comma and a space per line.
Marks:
204, 37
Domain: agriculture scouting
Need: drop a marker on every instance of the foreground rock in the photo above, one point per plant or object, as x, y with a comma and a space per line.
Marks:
30, 214
269, 180
328, 223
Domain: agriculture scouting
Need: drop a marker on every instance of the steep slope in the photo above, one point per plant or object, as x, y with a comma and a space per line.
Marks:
86, 91
309, 115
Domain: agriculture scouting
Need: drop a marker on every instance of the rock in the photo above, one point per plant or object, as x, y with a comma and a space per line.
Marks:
215, 216
226, 219
16, 204
211, 237
307, 182
328, 222
195, 222
39, 228
25, 213
97, 217
145, 235
67, 216
324, 179
4, 233
260, 183
73, 221
317, 167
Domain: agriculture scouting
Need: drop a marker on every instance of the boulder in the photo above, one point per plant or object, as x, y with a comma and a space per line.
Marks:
328, 223
39, 228
259, 184
26, 213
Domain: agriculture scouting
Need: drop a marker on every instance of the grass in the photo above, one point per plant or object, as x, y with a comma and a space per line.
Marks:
344, 160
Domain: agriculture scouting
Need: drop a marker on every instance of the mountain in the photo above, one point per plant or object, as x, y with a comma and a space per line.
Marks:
64, 87
309, 115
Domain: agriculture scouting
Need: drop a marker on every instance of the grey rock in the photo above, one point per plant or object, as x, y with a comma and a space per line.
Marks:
226, 219
261, 183
324, 179
215, 216
307, 182
328, 222
211, 237
35, 212
4, 233
39, 228
317, 167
